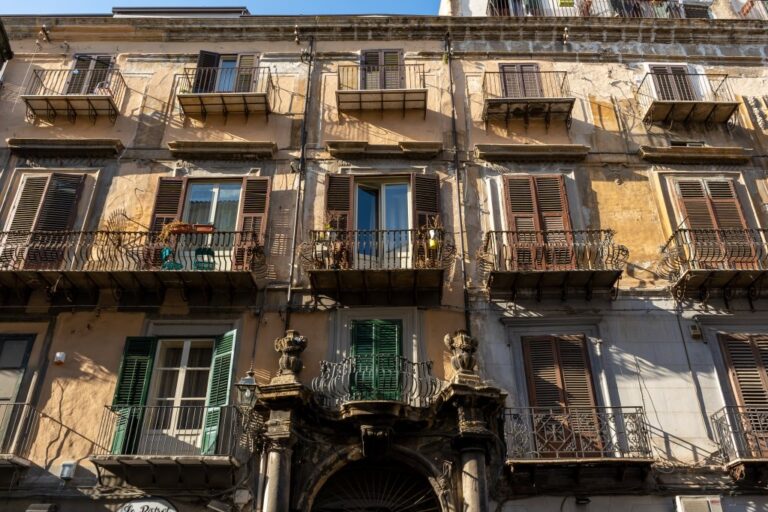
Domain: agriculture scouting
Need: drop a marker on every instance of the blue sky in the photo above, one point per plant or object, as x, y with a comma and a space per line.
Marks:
255, 6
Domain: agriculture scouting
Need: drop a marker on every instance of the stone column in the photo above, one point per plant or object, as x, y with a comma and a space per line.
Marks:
277, 493
474, 486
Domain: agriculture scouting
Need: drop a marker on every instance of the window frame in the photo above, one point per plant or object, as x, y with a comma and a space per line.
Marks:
340, 330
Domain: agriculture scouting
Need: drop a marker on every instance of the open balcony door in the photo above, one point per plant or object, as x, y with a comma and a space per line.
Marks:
383, 226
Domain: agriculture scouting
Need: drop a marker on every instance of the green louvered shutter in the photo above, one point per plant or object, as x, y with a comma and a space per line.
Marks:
376, 350
388, 371
131, 392
218, 391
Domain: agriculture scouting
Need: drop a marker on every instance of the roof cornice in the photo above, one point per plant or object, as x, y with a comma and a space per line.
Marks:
363, 28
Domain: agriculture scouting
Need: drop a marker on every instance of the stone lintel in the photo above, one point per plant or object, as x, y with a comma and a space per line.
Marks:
695, 154
41, 147
532, 152
362, 149
222, 150
284, 395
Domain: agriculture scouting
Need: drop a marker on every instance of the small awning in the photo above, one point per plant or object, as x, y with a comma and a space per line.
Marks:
222, 150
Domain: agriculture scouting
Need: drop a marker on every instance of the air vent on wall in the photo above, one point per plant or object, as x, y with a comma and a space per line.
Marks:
698, 504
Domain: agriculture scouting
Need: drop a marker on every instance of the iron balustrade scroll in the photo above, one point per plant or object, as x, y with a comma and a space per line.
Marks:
534, 433
191, 430
525, 84
682, 87
663, 9
106, 82
376, 377
741, 432
361, 77
130, 251
243, 80
392, 249
714, 249
515, 251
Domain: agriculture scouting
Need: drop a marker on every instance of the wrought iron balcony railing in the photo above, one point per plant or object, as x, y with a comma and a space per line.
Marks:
522, 251
376, 378
367, 78
536, 433
525, 84
73, 82
742, 432
257, 80
686, 97
113, 251
391, 249
596, 8
715, 249
192, 430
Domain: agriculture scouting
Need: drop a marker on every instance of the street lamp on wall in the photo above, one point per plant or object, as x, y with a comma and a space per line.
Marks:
247, 391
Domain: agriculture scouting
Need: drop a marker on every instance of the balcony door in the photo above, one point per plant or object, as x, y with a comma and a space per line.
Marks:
173, 421
563, 420
225, 73
539, 224
14, 354
521, 80
43, 213
383, 224
89, 74
376, 350
746, 358
673, 83
382, 69
717, 234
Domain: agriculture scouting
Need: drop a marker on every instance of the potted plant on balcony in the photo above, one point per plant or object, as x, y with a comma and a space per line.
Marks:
203, 228
175, 227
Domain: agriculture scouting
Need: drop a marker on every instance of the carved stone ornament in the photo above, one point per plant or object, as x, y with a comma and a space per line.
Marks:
463, 348
290, 347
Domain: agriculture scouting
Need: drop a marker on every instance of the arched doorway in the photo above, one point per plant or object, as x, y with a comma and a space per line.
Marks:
376, 486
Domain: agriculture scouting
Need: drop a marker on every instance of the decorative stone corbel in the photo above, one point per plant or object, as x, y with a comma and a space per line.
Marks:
290, 347
463, 360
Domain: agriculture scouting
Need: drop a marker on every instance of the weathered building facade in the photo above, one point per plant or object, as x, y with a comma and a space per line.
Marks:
509, 258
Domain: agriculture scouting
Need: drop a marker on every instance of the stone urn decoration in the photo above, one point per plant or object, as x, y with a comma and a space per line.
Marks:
290, 347
463, 359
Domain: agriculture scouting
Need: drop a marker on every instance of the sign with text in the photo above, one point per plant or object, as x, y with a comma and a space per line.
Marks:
147, 505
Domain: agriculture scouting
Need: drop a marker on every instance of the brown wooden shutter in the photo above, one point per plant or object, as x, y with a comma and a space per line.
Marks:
725, 204
552, 203
695, 205
746, 357
426, 199
338, 202
382, 69
521, 80
168, 202
206, 72
255, 206
59, 208
29, 203
672, 83
558, 372
394, 78
370, 74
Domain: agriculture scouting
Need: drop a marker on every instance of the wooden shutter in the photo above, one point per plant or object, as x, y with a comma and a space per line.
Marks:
131, 392
376, 348
695, 205
672, 83
560, 388
219, 386
29, 202
382, 69
206, 72
338, 202
746, 357
79, 74
254, 208
426, 199
537, 214
247, 74
558, 372
521, 80
59, 208
98, 74
168, 202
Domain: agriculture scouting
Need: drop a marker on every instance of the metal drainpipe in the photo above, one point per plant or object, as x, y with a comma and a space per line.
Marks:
302, 172
456, 163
